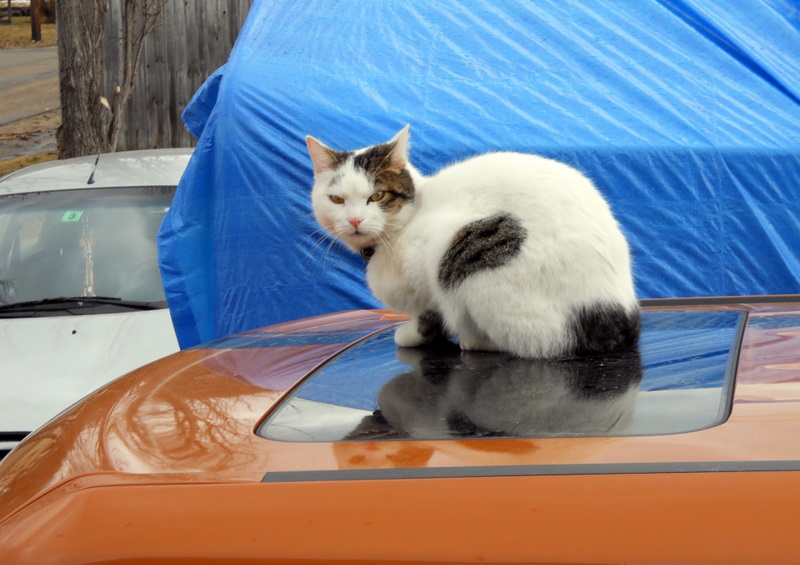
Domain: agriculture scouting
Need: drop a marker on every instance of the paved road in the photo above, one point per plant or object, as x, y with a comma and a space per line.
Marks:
28, 82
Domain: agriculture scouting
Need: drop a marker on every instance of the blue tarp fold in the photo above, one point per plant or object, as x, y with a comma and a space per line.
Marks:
684, 113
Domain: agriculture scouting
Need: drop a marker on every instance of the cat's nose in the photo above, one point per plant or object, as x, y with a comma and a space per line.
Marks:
355, 222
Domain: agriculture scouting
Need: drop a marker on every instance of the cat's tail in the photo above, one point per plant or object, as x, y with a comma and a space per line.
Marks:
604, 328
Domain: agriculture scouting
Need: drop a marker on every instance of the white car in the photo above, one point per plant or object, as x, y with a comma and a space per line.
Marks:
81, 298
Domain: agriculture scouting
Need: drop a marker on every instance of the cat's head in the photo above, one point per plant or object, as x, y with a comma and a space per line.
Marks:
363, 197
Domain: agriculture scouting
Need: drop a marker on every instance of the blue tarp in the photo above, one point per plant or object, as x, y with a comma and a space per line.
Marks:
685, 113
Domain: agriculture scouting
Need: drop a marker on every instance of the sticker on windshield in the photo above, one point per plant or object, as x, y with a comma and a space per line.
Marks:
72, 215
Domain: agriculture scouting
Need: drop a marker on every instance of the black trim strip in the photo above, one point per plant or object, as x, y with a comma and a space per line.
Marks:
13, 436
722, 300
531, 471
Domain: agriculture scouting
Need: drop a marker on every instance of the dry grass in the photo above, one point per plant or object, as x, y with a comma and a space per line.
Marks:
18, 34
12, 165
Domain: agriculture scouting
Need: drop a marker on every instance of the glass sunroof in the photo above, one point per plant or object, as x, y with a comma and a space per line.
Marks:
679, 380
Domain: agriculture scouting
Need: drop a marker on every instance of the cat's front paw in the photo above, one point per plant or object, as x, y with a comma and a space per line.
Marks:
408, 336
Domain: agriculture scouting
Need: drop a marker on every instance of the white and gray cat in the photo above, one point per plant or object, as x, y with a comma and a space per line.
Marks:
504, 251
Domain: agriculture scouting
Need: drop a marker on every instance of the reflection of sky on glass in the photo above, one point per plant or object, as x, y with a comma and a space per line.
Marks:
353, 378
686, 350
686, 357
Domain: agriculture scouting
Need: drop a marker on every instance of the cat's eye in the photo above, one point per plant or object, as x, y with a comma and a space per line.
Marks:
336, 199
377, 196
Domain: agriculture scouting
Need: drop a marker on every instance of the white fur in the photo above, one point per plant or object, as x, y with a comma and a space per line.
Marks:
574, 254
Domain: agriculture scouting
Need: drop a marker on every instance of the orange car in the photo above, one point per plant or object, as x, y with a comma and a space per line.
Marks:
318, 440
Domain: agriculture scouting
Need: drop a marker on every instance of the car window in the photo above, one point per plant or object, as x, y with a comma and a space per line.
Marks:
679, 379
94, 242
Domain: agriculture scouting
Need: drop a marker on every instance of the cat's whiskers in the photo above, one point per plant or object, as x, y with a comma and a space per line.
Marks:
319, 241
322, 262
392, 227
384, 240
300, 222
325, 234
321, 234
327, 250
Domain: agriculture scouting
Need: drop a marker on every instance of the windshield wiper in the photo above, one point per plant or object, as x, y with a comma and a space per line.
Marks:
64, 303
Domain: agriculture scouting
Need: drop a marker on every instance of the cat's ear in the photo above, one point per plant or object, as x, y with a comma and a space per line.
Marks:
322, 156
399, 154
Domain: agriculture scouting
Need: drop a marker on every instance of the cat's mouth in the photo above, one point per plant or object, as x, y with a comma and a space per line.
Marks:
363, 238
360, 233
357, 240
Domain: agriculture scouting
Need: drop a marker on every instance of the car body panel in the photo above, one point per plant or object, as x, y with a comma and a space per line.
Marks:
164, 462
148, 167
688, 518
82, 351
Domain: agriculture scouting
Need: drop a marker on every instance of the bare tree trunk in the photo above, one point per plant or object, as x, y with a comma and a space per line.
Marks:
90, 124
80, 59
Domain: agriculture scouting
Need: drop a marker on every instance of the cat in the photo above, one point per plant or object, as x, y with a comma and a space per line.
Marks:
504, 251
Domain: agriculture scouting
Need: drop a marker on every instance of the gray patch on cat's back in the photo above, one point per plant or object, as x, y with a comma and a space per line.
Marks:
484, 244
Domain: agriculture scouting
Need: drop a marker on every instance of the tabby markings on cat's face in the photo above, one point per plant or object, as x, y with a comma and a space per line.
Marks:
360, 196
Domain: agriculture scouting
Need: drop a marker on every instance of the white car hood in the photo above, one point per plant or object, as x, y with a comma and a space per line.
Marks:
49, 363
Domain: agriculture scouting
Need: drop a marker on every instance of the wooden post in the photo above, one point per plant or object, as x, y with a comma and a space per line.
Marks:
6, 18
36, 21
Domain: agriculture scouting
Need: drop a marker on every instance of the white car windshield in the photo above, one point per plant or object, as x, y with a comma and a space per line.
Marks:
82, 243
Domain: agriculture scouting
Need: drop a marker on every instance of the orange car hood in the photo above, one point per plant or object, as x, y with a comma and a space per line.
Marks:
191, 417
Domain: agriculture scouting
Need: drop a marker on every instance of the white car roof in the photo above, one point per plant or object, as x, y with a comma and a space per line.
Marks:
151, 167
